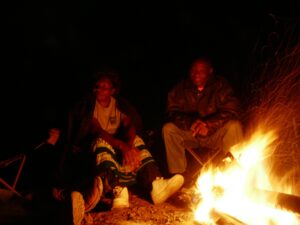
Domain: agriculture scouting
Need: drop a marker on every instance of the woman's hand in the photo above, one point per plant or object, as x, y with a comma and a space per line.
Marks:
132, 159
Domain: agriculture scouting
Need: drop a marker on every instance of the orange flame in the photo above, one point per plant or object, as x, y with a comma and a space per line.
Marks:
232, 190
265, 161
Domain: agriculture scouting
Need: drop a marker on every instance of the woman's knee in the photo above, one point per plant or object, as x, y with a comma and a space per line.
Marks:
169, 128
138, 141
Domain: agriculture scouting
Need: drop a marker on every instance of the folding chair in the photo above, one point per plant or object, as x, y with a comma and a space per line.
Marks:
5, 164
202, 161
195, 155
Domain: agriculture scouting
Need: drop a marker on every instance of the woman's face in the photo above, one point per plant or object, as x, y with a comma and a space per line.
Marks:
104, 89
200, 72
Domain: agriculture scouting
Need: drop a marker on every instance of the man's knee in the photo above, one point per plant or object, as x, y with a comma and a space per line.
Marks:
234, 134
235, 126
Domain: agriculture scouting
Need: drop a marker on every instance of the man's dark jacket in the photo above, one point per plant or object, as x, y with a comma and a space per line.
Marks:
215, 105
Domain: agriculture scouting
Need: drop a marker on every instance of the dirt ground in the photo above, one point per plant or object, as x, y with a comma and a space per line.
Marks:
143, 212
16, 211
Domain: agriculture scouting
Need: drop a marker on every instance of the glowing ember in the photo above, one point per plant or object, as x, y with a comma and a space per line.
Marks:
232, 190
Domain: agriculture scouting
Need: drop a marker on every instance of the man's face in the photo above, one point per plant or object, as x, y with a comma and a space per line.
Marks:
104, 89
200, 72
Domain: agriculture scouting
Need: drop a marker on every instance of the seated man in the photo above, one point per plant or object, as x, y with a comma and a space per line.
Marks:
202, 114
107, 125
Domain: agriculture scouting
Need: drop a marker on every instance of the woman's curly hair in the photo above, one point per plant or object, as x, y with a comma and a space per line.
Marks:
111, 75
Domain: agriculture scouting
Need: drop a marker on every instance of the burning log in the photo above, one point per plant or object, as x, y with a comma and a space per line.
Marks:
223, 219
286, 201
218, 189
283, 200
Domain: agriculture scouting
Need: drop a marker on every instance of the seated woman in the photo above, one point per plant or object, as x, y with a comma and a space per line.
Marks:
107, 125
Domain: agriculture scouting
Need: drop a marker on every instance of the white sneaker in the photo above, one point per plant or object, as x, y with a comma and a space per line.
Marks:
78, 208
121, 197
162, 188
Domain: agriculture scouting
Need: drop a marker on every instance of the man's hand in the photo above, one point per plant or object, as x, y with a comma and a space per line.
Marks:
199, 128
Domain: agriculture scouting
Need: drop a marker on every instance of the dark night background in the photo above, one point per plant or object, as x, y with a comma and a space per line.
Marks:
51, 49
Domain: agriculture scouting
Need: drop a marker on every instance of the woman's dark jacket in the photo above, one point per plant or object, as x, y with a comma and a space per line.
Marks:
78, 162
79, 128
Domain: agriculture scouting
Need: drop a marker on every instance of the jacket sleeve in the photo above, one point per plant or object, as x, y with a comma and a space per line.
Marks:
134, 116
78, 129
176, 109
228, 108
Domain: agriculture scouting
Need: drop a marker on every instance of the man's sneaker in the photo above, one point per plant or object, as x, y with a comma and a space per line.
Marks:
162, 188
78, 208
121, 197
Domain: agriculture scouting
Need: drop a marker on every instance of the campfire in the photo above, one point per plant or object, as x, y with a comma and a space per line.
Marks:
241, 191
259, 183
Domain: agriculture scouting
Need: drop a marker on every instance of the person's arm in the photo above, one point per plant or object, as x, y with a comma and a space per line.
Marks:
131, 155
228, 108
98, 131
176, 112
129, 129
